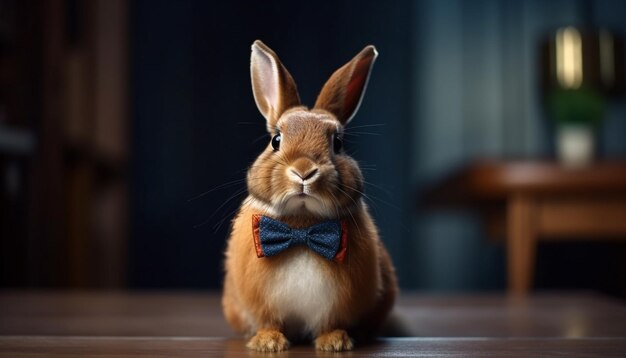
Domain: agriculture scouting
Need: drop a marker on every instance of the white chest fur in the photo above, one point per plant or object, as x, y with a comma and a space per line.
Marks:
302, 294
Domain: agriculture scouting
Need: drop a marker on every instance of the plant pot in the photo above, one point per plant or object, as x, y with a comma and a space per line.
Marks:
575, 145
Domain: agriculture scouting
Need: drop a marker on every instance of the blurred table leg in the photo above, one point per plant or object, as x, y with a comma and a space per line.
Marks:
521, 243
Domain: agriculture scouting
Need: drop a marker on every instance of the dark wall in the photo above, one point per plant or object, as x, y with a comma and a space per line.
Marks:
196, 127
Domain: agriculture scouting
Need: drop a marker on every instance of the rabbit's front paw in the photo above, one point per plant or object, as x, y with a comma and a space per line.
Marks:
335, 341
268, 340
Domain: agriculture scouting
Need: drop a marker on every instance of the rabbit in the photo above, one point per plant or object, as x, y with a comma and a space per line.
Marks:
322, 273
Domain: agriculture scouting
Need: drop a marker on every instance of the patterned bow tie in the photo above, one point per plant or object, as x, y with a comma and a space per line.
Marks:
329, 239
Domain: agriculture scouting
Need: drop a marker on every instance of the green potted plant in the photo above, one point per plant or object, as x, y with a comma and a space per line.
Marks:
577, 113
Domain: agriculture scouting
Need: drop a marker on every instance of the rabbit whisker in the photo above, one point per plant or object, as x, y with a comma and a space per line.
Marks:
221, 186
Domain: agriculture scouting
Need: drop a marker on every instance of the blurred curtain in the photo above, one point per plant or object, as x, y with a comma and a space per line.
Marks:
477, 96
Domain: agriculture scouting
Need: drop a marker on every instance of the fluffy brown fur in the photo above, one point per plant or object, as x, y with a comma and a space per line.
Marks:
303, 183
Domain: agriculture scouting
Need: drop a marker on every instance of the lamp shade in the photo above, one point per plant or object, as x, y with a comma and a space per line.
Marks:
573, 58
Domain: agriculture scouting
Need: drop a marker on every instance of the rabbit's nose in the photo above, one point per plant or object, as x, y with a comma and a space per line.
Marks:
306, 175
303, 169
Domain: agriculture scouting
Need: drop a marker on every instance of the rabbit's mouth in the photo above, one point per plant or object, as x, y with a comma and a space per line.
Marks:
303, 203
302, 196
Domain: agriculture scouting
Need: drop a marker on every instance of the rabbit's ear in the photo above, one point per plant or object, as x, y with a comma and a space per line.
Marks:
343, 92
273, 87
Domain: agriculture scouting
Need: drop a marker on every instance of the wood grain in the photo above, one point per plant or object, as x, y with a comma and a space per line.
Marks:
17, 347
190, 324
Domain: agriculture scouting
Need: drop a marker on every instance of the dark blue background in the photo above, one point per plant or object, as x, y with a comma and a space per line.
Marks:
196, 125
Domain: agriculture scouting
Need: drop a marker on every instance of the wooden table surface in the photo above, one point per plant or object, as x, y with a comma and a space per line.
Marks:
482, 181
190, 324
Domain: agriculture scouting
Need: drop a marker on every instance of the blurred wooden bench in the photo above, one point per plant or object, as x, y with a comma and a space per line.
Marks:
530, 201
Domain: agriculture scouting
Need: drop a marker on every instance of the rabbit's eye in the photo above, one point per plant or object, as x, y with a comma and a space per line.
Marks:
276, 141
337, 143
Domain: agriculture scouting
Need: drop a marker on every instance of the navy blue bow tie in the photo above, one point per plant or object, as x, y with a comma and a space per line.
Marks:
329, 239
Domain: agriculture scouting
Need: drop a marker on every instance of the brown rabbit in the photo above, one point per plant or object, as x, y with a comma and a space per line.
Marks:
304, 260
